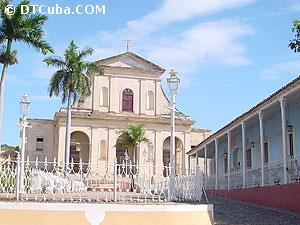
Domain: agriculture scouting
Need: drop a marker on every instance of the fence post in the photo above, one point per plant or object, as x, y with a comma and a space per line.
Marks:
18, 177
199, 184
115, 179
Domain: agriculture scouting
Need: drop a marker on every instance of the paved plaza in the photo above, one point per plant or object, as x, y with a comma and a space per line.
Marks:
231, 212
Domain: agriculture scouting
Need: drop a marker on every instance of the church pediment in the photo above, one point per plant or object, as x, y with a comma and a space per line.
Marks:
130, 60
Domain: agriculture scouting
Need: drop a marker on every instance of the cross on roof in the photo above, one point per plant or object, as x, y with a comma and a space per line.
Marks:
128, 43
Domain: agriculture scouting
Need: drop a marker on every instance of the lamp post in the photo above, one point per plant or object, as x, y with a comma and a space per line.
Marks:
24, 107
173, 83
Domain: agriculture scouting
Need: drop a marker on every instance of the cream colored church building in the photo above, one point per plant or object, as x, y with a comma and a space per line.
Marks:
130, 91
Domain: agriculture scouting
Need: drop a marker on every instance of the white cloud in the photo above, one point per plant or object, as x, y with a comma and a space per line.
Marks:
17, 81
278, 71
294, 6
192, 48
202, 45
43, 98
178, 10
43, 72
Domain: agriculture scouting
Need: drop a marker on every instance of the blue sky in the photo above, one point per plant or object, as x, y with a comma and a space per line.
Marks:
230, 54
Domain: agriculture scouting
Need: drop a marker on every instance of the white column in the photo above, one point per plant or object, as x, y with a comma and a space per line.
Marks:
244, 153
284, 136
228, 158
189, 162
216, 163
205, 164
262, 146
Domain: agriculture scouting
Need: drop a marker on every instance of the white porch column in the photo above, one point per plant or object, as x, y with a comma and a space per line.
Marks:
284, 136
228, 158
205, 164
262, 146
244, 153
189, 162
216, 163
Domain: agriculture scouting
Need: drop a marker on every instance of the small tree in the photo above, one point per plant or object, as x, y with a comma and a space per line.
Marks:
295, 43
131, 137
71, 81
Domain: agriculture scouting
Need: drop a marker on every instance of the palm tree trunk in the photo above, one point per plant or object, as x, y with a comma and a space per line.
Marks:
2, 87
68, 134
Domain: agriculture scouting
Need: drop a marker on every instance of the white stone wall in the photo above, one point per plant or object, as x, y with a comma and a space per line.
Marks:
40, 129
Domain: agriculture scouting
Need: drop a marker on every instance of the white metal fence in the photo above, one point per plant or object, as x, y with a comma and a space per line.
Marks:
85, 182
273, 175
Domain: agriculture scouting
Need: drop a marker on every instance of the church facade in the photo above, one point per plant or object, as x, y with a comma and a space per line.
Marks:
129, 92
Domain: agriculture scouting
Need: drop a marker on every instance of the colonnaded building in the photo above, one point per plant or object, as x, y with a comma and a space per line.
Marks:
259, 148
130, 91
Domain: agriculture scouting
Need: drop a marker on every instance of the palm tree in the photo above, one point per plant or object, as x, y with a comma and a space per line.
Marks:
131, 137
26, 28
72, 81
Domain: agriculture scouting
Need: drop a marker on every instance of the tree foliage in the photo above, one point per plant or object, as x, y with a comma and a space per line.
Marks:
73, 75
130, 137
295, 43
26, 28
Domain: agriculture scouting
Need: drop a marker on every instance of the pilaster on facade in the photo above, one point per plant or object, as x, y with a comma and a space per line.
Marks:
140, 96
156, 98
109, 94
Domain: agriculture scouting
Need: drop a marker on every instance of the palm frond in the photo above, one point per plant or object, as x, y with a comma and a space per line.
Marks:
132, 136
85, 52
95, 69
75, 79
55, 61
9, 58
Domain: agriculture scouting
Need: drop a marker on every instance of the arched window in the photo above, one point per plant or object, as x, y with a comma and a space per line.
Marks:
104, 97
127, 100
150, 100
103, 150
178, 155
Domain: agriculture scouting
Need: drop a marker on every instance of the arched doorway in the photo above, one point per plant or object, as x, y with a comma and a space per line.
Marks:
125, 154
178, 155
80, 149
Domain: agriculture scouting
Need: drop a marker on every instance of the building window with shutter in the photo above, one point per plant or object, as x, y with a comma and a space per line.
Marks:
266, 153
127, 100
225, 162
291, 144
249, 158
235, 158
39, 144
